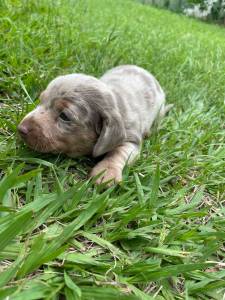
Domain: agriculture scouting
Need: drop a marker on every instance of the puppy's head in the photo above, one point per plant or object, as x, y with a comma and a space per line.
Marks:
75, 117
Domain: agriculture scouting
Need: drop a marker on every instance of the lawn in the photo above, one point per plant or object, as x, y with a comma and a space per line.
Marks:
160, 233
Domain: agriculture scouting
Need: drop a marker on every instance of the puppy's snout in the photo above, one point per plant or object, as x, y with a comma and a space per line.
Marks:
23, 129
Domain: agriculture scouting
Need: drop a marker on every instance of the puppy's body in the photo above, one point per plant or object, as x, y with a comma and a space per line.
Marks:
139, 98
81, 115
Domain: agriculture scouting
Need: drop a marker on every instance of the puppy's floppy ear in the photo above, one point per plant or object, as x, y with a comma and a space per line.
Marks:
112, 133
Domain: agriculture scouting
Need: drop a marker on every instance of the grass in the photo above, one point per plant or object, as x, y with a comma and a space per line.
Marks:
160, 234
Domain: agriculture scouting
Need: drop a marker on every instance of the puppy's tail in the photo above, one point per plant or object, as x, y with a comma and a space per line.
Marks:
165, 109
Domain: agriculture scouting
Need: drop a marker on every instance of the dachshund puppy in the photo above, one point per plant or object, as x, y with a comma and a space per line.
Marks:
81, 115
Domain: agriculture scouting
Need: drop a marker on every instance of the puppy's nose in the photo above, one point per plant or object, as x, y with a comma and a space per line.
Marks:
23, 129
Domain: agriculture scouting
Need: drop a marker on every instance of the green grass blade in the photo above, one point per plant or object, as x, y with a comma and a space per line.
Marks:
18, 224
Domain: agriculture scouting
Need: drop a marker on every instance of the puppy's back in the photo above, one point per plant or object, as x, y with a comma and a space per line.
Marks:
139, 98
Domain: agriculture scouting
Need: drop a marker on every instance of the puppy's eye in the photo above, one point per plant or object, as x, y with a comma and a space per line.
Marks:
63, 116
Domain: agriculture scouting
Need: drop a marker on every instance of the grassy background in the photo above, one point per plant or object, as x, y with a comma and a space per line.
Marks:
160, 234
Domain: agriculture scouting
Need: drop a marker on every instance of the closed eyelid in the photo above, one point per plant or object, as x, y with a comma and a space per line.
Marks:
70, 113
60, 105
67, 106
65, 116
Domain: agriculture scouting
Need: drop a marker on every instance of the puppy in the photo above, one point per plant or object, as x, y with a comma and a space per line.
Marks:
81, 115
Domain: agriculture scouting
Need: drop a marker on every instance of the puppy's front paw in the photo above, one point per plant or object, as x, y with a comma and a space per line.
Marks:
109, 174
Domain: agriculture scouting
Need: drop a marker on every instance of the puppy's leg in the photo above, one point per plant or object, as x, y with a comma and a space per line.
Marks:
113, 163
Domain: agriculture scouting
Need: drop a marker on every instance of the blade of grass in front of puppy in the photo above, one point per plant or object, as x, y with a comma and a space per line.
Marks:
10, 272
54, 204
140, 191
42, 201
102, 293
6, 209
38, 249
11, 251
32, 289
154, 188
71, 204
196, 199
27, 176
92, 208
31, 160
72, 286
70, 294
166, 251
140, 294
207, 284
105, 244
38, 186
18, 224
13, 180
5, 292
131, 214
123, 200
168, 271
104, 196
49, 251
8, 181
48, 203
84, 259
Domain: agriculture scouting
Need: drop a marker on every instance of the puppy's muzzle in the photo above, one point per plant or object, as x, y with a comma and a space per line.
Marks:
29, 132
23, 130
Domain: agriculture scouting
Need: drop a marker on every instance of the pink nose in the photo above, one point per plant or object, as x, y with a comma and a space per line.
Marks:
23, 129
